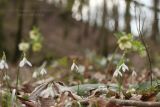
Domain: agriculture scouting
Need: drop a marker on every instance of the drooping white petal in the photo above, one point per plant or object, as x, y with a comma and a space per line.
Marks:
116, 73
76, 67
6, 77
43, 71
72, 67
124, 67
29, 63
120, 73
3, 64
134, 74
6, 66
35, 74
23, 62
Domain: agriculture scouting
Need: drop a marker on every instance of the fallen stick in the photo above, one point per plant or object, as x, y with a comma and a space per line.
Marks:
133, 103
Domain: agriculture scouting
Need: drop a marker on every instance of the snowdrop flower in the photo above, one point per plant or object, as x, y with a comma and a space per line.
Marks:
6, 77
117, 72
3, 63
74, 67
35, 74
134, 74
48, 92
40, 71
24, 61
124, 67
43, 71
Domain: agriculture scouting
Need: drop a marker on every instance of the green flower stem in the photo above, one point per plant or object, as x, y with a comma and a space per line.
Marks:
109, 65
78, 89
7, 82
18, 71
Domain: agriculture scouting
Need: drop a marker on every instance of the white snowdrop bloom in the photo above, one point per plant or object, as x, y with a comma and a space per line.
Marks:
40, 71
134, 74
74, 67
124, 67
3, 64
43, 71
24, 62
6, 77
117, 72
48, 92
35, 74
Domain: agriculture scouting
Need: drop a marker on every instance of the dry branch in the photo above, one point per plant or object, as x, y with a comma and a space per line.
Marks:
134, 103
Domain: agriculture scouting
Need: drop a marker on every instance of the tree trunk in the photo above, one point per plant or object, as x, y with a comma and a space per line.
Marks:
2, 6
104, 32
19, 29
128, 16
155, 30
116, 16
35, 9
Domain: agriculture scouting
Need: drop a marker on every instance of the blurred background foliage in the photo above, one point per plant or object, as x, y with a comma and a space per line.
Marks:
73, 26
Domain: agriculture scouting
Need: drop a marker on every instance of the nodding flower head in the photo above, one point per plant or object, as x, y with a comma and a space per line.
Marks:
24, 62
117, 72
41, 71
134, 74
6, 77
3, 63
74, 66
123, 67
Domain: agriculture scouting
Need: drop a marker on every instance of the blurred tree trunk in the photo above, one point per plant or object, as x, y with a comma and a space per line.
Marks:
155, 28
128, 16
86, 28
2, 8
19, 29
1, 31
116, 17
66, 17
35, 8
104, 32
